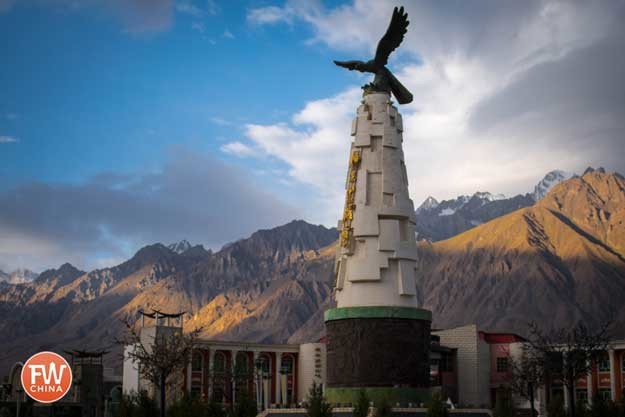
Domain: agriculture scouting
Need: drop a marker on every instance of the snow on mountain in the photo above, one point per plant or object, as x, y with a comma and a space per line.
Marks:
428, 204
19, 276
549, 181
180, 247
447, 212
488, 196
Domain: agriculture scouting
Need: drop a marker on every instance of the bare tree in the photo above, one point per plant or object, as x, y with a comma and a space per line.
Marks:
160, 357
570, 352
527, 373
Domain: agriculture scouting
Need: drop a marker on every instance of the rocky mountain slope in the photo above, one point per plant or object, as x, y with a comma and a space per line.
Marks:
557, 262
259, 289
442, 220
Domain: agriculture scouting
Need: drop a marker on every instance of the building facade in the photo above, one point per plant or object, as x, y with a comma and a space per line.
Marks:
270, 374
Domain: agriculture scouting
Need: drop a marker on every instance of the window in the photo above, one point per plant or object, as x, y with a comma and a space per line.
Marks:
446, 364
604, 363
502, 365
287, 365
605, 393
219, 365
196, 362
581, 396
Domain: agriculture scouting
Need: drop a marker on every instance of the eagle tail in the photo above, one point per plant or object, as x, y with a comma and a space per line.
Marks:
400, 92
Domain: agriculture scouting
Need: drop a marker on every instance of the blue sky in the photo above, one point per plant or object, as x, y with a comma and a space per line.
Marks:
83, 95
126, 122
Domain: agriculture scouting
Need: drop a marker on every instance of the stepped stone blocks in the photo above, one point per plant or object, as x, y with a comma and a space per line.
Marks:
378, 338
376, 263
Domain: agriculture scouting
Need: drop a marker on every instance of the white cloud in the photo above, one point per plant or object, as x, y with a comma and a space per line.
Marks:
190, 9
315, 146
269, 15
220, 121
227, 34
111, 215
198, 26
503, 94
8, 139
238, 149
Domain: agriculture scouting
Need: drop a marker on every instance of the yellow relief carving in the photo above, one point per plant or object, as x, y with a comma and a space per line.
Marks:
348, 212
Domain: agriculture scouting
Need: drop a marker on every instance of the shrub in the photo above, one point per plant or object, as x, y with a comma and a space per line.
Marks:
137, 405
383, 408
436, 406
244, 407
316, 405
361, 409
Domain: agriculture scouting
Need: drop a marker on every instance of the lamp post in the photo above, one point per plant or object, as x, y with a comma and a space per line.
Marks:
266, 388
18, 400
284, 371
258, 365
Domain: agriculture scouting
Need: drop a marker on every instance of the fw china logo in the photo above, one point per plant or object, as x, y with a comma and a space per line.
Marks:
46, 377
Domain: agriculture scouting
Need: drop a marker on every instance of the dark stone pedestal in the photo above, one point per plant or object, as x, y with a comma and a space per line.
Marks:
383, 350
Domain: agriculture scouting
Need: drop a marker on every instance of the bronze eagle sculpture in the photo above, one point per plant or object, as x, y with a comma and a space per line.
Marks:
384, 79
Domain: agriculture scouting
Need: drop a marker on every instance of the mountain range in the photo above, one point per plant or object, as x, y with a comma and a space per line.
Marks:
442, 220
558, 261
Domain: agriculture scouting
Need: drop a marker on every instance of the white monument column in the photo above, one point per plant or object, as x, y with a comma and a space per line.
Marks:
378, 337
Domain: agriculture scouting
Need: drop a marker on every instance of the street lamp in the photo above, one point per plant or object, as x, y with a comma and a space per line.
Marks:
18, 400
284, 371
266, 388
258, 365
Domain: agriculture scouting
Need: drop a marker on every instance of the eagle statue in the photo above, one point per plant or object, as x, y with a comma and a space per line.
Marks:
384, 80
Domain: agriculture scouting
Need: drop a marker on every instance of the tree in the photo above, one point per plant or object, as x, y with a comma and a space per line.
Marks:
570, 352
361, 408
503, 403
160, 357
316, 404
527, 373
436, 406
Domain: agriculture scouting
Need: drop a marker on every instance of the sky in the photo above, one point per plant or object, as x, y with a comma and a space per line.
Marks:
129, 122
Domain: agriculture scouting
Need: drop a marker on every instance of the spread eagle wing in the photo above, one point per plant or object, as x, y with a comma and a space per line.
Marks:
393, 37
350, 65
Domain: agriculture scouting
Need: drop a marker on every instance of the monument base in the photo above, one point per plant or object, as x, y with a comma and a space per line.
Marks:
382, 350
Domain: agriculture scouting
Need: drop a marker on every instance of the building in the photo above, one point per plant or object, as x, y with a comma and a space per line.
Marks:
606, 379
272, 374
467, 365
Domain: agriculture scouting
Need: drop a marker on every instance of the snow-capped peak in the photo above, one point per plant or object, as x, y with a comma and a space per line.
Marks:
180, 247
19, 276
485, 195
548, 182
428, 204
